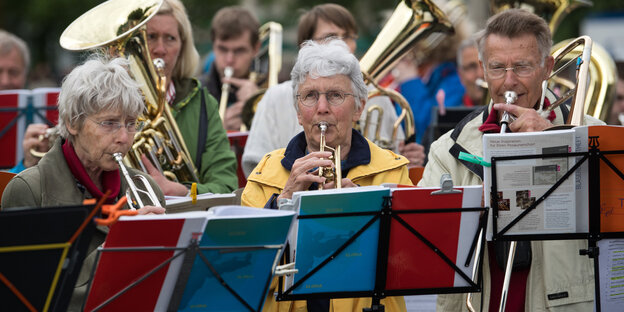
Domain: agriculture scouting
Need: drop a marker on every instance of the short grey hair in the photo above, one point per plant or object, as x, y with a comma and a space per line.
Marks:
465, 44
98, 85
327, 59
514, 23
9, 41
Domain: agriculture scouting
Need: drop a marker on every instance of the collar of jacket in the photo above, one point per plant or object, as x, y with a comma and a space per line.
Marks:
186, 89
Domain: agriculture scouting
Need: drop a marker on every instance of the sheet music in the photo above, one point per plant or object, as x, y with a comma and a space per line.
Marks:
521, 182
611, 274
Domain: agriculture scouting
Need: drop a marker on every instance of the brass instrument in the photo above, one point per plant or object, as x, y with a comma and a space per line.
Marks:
369, 116
330, 174
225, 92
410, 22
265, 69
50, 134
117, 27
133, 193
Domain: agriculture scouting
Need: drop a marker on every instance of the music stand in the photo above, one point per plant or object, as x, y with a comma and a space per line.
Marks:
41, 254
388, 229
178, 268
593, 157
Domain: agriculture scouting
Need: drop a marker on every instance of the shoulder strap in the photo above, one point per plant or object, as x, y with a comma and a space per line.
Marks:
203, 129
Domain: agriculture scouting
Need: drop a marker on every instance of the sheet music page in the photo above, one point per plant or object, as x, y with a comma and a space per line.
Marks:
611, 274
521, 182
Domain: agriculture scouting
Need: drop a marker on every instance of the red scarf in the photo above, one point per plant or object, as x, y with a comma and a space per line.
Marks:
111, 180
491, 124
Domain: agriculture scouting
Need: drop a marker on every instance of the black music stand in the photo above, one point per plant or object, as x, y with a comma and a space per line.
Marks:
387, 222
204, 272
41, 254
593, 157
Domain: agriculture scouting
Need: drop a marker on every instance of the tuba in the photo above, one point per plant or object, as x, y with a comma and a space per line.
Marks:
117, 27
411, 21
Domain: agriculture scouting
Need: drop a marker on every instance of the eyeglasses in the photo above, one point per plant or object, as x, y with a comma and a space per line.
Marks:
111, 126
335, 36
334, 98
520, 70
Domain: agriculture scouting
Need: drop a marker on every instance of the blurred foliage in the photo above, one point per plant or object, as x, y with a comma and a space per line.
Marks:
41, 22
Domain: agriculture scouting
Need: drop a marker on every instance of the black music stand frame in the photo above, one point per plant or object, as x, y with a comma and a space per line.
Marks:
60, 235
385, 217
593, 157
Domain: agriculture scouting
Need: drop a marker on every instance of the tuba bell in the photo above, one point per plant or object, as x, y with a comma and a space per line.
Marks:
117, 27
410, 22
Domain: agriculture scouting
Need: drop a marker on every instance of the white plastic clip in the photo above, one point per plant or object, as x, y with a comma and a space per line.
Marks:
286, 269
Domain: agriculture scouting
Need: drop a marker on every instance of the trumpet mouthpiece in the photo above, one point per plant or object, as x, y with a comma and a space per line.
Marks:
323, 126
228, 72
159, 63
118, 157
510, 97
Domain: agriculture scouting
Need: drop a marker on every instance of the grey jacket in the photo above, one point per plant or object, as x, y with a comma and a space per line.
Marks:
51, 184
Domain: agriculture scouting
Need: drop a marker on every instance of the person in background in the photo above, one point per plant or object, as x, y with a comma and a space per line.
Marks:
470, 73
235, 41
99, 104
328, 87
514, 51
14, 64
437, 83
170, 37
616, 115
271, 126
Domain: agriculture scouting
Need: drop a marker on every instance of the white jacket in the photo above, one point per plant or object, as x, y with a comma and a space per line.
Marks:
556, 267
275, 123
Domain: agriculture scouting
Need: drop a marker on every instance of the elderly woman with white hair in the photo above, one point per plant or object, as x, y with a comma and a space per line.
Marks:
98, 108
328, 87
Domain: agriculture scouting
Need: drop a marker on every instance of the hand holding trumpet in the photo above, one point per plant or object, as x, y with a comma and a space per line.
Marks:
35, 138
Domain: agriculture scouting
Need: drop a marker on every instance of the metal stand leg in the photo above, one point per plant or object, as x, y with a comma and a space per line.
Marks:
508, 267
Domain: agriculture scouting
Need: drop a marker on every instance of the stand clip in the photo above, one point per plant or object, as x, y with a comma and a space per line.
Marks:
446, 186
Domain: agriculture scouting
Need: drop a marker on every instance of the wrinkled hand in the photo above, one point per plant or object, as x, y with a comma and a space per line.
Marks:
168, 187
31, 141
414, 152
233, 119
151, 210
301, 174
528, 120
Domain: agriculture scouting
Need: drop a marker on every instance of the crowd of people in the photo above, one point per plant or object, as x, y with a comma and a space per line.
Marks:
100, 108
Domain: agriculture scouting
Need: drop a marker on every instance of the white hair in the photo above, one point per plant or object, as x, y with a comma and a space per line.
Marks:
327, 59
98, 85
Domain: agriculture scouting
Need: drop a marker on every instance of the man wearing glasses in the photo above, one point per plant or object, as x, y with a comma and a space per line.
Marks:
514, 51
328, 88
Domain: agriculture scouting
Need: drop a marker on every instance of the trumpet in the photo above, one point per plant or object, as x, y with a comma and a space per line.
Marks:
510, 98
133, 193
330, 174
225, 92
